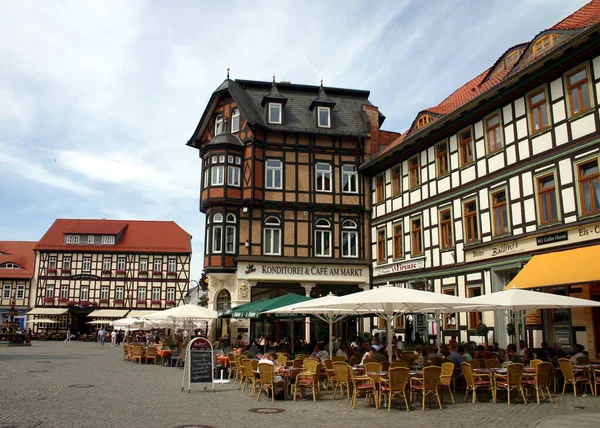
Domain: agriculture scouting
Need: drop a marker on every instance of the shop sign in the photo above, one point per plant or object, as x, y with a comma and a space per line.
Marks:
400, 267
551, 239
256, 271
534, 317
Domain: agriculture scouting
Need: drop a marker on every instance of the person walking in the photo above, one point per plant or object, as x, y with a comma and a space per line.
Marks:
118, 338
68, 339
113, 338
101, 335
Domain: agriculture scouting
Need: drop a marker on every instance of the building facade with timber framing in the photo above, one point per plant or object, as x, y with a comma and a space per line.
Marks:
505, 168
286, 210
88, 270
17, 260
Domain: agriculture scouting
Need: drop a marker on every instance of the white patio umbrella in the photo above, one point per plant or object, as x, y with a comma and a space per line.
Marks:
329, 315
184, 312
388, 301
132, 324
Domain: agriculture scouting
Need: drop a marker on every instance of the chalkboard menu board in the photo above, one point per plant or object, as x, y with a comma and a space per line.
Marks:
199, 362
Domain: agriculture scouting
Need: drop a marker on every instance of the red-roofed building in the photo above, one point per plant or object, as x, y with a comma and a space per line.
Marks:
90, 270
17, 260
505, 168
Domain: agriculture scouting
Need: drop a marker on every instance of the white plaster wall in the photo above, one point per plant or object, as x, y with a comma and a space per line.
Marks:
571, 219
425, 192
507, 113
460, 254
596, 67
435, 258
527, 181
515, 209
475, 276
529, 208
509, 134
511, 155
435, 236
432, 188
480, 149
518, 231
560, 134
467, 174
447, 258
458, 230
452, 143
485, 224
567, 196
454, 161
583, 126
524, 149
513, 188
484, 201
415, 196
522, 128
542, 143
556, 89
380, 209
431, 170
481, 167
558, 111
444, 184
397, 204
531, 228
519, 107
455, 176
388, 204
478, 129
496, 162
426, 219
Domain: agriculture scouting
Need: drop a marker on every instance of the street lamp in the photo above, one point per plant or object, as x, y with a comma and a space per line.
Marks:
191, 284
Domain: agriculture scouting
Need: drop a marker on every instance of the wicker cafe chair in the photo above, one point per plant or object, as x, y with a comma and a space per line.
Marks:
136, 353
238, 367
309, 378
250, 377
540, 381
492, 363
446, 379
151, 354
427, 385
267, 381
298, 363
241, 371
232, 365
125, 351
330, 374
581, 361
395, 364
512, 380
475, 382
363, 385
372, 367
395, 385
596, 376
342, 378
408, 356
282, 359
338, 359
572, 377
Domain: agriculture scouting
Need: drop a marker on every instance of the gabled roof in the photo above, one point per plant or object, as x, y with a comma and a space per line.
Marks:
138, 236
348, 117
94, 227
20, 253
576, 23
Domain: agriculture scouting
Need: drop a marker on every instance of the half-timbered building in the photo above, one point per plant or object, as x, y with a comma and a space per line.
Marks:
17, 260
286, 210
87, 270
505, 168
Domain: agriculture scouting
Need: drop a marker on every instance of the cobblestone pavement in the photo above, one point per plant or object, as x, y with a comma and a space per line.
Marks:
56, 384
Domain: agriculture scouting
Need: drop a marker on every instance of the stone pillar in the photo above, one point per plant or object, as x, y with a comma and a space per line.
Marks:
242, 295
308, 286
364, 324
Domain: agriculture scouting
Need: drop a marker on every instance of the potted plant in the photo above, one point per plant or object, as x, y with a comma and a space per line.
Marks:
482, 330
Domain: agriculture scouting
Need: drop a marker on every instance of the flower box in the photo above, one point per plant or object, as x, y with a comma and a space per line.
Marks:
171, 273
106, 271
51, 270
48, 299
62, 300
71, 303
66, 270
141, 302
103, 301
120, 271
156, 302
156, 272
119, 301
85, 303
143, 272
170, 302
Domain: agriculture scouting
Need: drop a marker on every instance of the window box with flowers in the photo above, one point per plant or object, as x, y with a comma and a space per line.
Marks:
72, 303
170, 302
85, 303
140, 302
51, 270
155, 302
66, 270
171, 272
104, 301
119, 301
106, 271
48, 299
62, 301
120, 271
143, 272
157, 272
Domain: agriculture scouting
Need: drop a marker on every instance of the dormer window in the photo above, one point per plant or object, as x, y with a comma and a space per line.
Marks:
544, 44
219, 125
423, 120
275, 113
235, 121
324, 117
108, 240
72, 239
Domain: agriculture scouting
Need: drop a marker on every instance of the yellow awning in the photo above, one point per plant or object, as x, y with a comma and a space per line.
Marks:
570, 267
48, 311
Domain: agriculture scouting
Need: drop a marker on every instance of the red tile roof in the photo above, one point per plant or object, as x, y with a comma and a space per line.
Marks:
138, 236
585, 17
21, 253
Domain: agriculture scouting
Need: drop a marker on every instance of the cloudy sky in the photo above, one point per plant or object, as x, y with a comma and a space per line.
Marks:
97, 99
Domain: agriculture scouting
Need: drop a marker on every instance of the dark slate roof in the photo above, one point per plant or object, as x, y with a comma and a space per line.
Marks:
226, 138
274, 96
322, 99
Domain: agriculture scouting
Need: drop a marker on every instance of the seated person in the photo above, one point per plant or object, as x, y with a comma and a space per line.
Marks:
369, 356
578, 353
239, 342
558, 353
527, 356
271, 358
342, 352
322, 355
434, 352
379, 356
482, 353
512, 356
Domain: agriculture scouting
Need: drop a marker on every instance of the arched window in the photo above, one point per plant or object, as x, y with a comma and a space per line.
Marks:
349, 239
223, 300
230, 233
423, 120
272, 236
322, 238
544, 44
217, 235
235, 121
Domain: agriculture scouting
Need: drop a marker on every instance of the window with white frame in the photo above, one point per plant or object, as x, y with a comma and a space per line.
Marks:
349, 239
84, 292
172, 265
233, 175
106, 262
108, 240
274, 168
90, 240
141, 293
272, 236
50, 291
87, 264
324, 117
170, 293
6, 288
143, 264
72, 239
119, 293
20, 291
52, 263
235, 121
275, 113
157, 265
156, 293
230, 229
205, 182
219, 125
104, 292
349, 179
216, 172
66, 264
64, 291
121, 263
323, 177
217, 233
322, 238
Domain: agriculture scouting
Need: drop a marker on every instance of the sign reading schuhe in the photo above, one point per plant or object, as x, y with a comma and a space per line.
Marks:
198, 363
